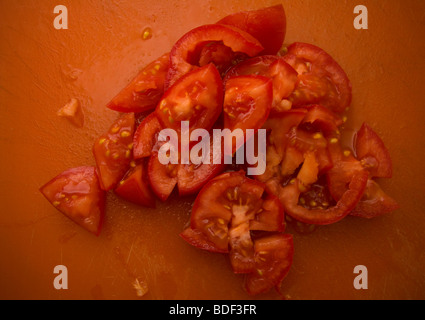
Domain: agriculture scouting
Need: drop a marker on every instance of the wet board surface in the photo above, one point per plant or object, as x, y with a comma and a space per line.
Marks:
42, 68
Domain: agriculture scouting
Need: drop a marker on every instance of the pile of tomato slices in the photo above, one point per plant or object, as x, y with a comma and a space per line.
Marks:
236, 74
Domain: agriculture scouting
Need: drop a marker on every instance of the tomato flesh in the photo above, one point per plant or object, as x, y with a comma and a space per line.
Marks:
284, 77
372, 153
374, 203
289, 196
113, 151
197, 97
221, 56
146, 136
134, 187
77, 194
321, 80
226, 213
247, 103
273, 259
162, 178
145, 90
192, 177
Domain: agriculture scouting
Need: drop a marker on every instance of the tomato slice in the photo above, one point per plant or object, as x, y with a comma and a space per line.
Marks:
284, 77
284, 81
113, 151
77, 194
290, 194
162, 178
279, 125
268, 25
372, 153
146, 136
197, 97
185, 53
134, 187
273, 260
345, 166
375, 202
192, 177
226, 209
247, 103
145, 90
321, 80
198, 239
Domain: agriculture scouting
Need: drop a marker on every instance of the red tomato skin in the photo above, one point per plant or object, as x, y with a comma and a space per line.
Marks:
182, 54
343, 169
145, 90
117, 141
268, 25
279, 125
270, 220
270, 274
135, 187
78, 182
325, 68
322, 119
145, 136
284, 77
228, 179
369, 144
197, 239
374, 203
191, 181
289, 197
260, 103
162, 178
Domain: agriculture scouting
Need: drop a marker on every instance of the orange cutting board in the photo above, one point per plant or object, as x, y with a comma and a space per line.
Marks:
42, 68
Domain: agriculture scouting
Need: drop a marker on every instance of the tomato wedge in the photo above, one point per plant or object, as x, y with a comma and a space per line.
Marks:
192, 177
289, 196
77, 194
375, 202
146, 136
273, 259
227, 216
184, 55
284, 77
247, 103
231, 205
321, 80
268, 25
196, 97
279, 126
372, 153
134, 187
145, 90
162, 178
113, 151
345, 166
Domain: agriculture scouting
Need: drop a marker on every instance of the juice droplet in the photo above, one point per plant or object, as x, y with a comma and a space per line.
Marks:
147, 33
